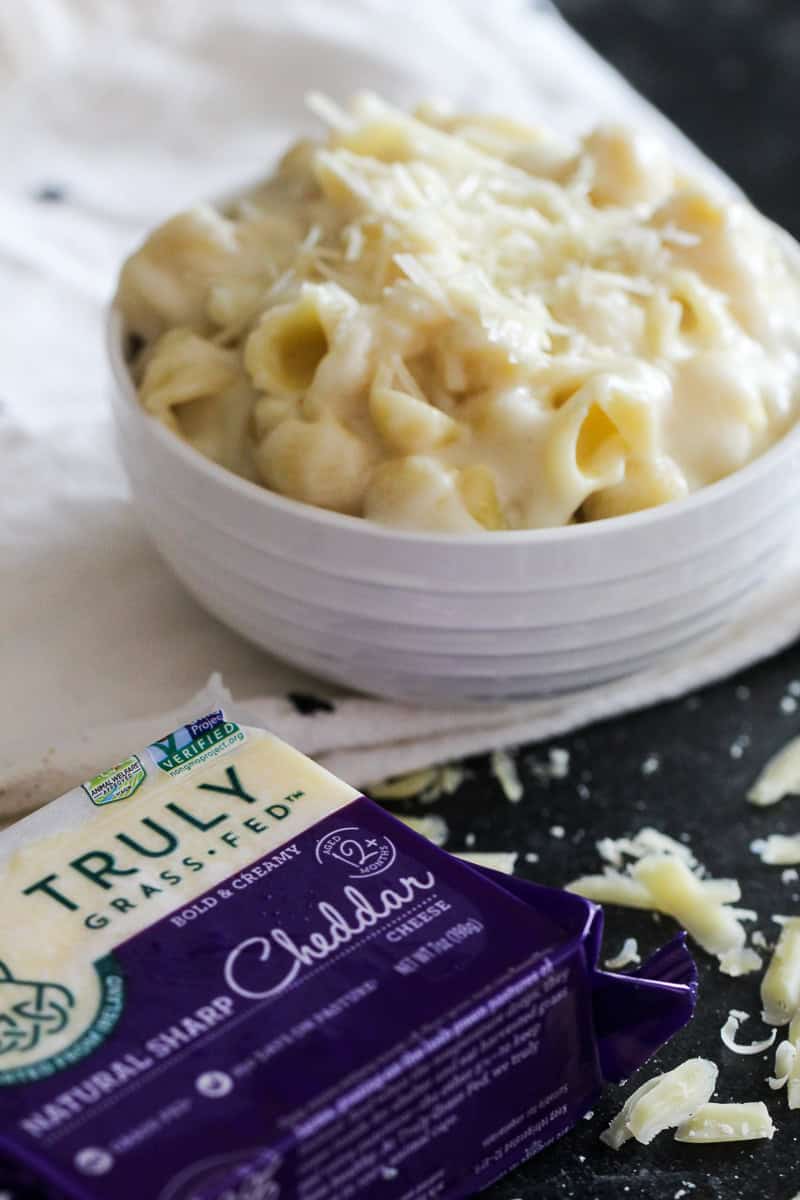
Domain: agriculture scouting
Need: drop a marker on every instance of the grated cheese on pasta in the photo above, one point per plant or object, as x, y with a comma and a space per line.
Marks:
462, 324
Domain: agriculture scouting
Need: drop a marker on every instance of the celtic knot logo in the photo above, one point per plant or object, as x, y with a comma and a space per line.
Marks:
30, 1011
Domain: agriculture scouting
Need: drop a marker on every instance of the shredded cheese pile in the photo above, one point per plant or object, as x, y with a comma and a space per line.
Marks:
652, 870
680, 1100
664, 876
663, 1102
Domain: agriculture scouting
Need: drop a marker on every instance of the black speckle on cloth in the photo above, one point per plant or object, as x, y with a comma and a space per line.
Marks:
307, 705
50, 193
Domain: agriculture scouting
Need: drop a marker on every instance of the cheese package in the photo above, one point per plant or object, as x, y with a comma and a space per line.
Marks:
226, 974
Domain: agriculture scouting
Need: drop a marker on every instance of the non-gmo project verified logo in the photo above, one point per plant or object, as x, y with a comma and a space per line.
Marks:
185, 747
196, 729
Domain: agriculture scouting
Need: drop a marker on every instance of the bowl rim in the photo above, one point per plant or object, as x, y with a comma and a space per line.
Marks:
359, 526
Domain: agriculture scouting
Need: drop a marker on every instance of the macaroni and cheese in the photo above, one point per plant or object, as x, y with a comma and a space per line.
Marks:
452, 323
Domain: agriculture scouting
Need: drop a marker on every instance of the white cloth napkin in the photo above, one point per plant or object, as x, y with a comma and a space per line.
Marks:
113, 113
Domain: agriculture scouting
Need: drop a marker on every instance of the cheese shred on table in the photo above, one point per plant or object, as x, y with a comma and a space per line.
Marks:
663, 1103
664, 876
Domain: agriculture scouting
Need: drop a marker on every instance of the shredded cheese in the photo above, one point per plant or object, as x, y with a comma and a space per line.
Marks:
609, 849
664, 1102
724, 891
780, 987
678, 892
778, 849
727, 1123
730, 1028
794, 1030
505, 772
793, 1076
628, 955
793, 1088
426, 785
496, 860
612, 888
402, 787
780, 777
432, 827
665, 876
618, 1132
740, 961
785, 1056
558, 759
449, 779
647, 840
793, 1082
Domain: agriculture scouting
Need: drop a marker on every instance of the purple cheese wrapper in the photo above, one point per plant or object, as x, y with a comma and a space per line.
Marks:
356, 1015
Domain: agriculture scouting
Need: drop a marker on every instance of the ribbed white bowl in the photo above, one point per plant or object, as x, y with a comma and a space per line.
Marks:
431, 617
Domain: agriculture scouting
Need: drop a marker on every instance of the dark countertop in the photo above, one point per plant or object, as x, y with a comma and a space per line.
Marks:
698, 790
726, 71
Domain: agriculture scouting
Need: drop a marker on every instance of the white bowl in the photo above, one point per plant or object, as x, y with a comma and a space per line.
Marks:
428, 617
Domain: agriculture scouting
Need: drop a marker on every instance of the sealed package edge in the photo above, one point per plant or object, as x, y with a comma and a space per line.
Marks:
224, 973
